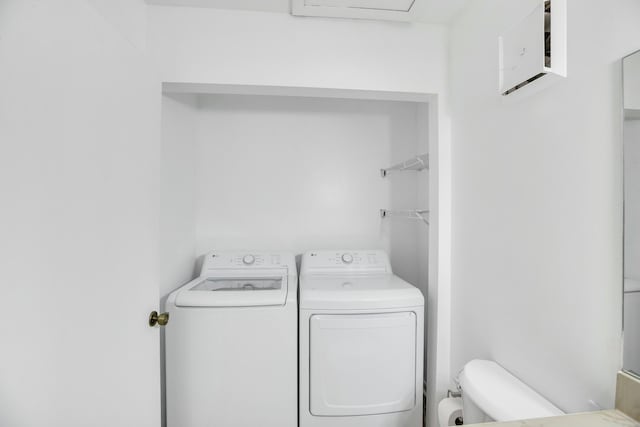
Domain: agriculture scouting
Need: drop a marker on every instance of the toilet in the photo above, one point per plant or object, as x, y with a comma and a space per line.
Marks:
491, 393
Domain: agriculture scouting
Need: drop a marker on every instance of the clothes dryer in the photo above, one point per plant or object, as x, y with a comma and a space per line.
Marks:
361, 342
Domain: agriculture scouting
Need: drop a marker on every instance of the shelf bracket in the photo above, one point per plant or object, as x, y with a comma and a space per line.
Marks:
417, 163
410, 214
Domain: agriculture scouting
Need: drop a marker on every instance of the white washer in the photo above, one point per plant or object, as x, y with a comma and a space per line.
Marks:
361, 342
231, 343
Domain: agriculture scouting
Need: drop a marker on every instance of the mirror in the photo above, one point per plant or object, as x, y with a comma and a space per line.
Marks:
631, 143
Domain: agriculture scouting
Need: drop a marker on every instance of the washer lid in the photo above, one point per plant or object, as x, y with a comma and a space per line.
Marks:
358, 292
233, 291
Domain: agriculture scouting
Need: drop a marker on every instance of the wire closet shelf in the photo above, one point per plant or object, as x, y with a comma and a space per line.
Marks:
416, 163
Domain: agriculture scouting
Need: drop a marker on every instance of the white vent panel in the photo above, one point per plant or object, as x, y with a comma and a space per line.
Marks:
385, 10
534, 49
388, 5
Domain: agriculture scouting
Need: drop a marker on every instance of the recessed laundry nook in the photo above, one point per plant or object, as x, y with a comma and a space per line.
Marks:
265, 168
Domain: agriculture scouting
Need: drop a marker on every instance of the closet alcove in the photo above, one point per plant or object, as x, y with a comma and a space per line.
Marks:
297, 169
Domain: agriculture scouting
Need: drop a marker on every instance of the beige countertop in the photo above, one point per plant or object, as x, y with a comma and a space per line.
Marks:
607, 418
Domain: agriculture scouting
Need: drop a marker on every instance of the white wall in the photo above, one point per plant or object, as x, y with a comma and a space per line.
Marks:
201, 45
537, 208
177, 185
298, 174
79, 117
128, 18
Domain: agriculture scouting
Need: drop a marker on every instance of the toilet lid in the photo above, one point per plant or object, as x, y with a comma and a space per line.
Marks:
502, 396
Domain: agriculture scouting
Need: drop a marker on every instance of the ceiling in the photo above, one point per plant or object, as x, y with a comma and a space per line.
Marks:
431, 11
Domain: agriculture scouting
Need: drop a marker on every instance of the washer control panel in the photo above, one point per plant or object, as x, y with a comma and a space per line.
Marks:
373, 261
248, 260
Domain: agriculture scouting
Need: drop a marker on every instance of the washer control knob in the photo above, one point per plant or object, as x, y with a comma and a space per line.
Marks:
248, 259
347, 258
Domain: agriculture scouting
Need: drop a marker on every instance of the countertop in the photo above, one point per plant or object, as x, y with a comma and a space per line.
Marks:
606, 418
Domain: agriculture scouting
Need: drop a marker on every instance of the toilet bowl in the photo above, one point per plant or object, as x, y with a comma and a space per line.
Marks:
491, 393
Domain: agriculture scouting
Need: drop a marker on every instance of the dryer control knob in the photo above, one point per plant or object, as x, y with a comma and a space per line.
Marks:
347, 258
248, 259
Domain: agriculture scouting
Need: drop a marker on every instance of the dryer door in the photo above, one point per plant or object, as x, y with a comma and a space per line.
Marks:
362, 364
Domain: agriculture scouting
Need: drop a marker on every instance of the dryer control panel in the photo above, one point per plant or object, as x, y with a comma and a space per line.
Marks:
345, 262
247, 260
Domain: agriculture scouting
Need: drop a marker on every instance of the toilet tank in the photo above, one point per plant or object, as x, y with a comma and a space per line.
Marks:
491, 393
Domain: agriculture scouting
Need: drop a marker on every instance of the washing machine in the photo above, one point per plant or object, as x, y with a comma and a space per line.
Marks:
361, 342
231, 343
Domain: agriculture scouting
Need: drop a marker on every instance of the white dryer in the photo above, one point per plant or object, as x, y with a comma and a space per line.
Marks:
231, 343
361, 342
